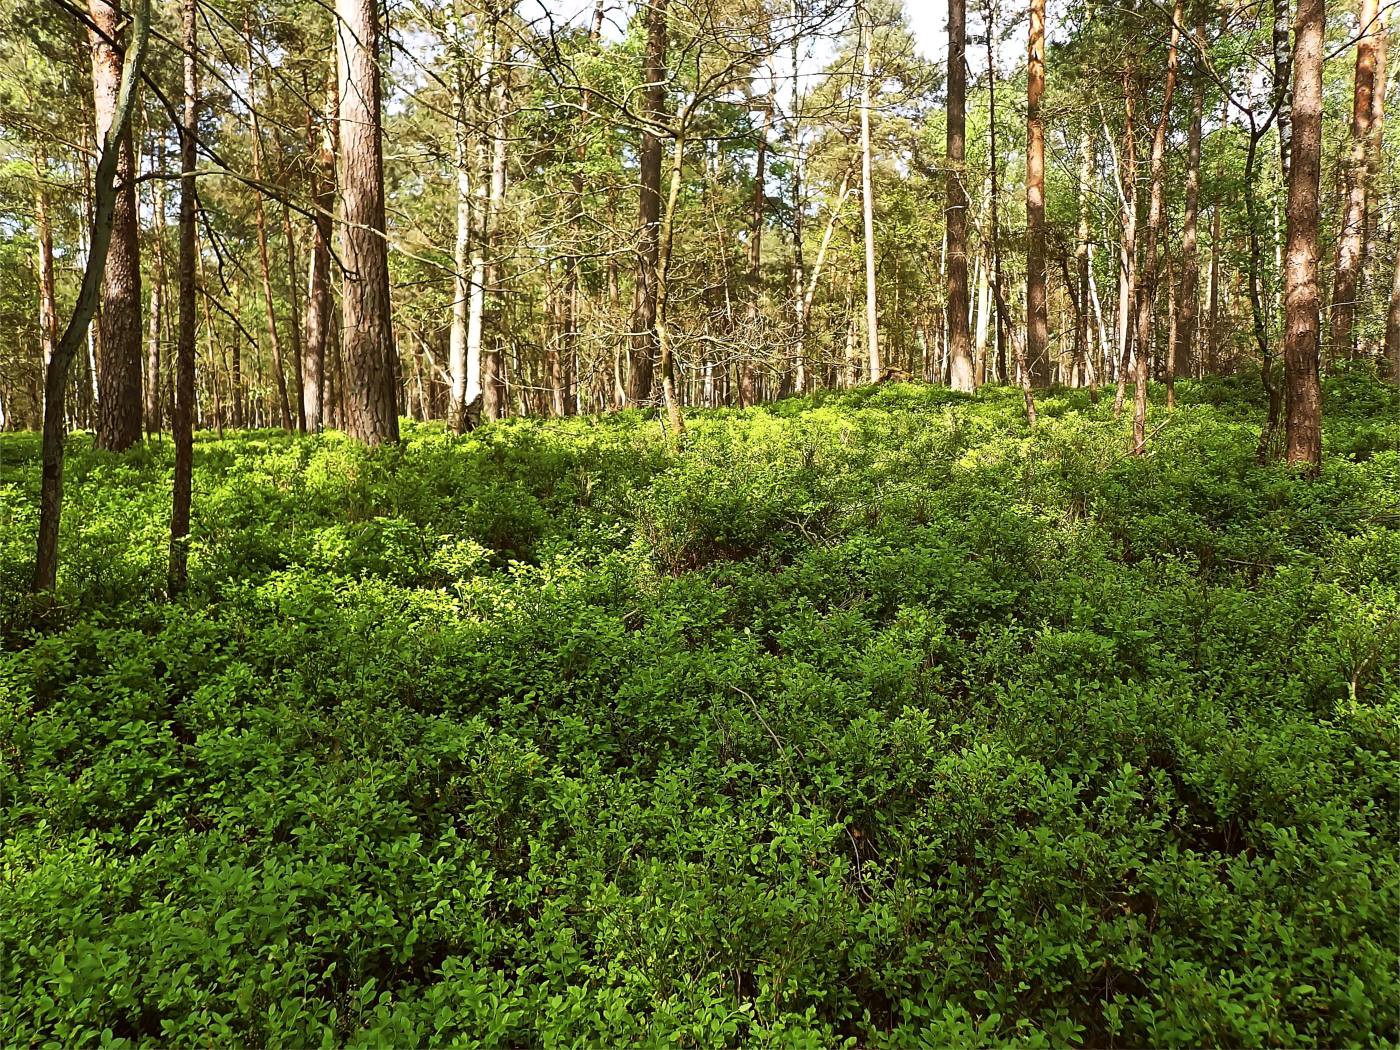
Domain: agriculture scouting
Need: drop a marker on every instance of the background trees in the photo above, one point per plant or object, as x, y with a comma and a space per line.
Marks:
535, 163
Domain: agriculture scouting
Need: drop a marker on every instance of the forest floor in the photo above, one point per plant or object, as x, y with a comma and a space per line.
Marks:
873, 719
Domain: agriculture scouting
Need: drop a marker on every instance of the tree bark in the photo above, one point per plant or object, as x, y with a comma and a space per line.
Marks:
48, 302
115, 132
182, 421
960, 375
1351, 240
464, 385
1187, 311
367, 336
1301, 323
1084, 359
872, 323
644, 349
1037, 315
318, 281
284, 404
1128, 270
1392, 322
1150, 270
119, 322
746, 373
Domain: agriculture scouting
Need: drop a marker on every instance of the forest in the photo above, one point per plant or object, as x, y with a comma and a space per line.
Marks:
794, 523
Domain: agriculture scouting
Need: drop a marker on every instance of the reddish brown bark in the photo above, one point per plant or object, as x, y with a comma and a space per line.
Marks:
959, 352
1301, 323
1351, 241
367, 337
1037, 314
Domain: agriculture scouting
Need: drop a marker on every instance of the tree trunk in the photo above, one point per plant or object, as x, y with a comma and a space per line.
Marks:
1281, 94
1187, 311
318, 281
48, 302
367, 336
960, 375
119, 322
284, 404
1147, 284
1351, 239
1127, 272
1037, 316
746, 367
872, 324
115, 133
644, 349
182, 421
464, 385
1083, 357
1301, 323
494, 403
1392, 322
663, 271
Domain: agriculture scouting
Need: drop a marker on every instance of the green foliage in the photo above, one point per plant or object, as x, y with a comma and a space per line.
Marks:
873, 719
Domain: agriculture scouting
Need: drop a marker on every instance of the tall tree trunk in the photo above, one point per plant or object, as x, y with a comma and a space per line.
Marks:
284, 404
644, 350
182, 421
1037, 315
872, 322
494, 401
746, 367
318, 280
119, 322
663, 299
48, 301
960, 375
1301, 323
1151, 265
1127, 264
153, 335
1187, 311
115, 132
458, 375
1351, 240
1392, 322
1281, 94
367, 336
1083, 356
1002, 321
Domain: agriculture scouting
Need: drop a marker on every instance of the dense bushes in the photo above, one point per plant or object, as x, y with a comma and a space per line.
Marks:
874, 718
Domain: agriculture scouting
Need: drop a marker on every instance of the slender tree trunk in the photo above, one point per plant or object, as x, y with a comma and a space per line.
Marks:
1187, 311
459, 377
746, 367
1037, 315
644, 349
153, 335
494, 401
48, 301
1351, 240
318, 281
1002, 321
1151, 264
119, 322
284, 404
872, 323
1392, 322
1282, 93
1128, 275
960, 375
1082, 354
367, 337
182, 421
1301, 323
115, 132
663, 300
